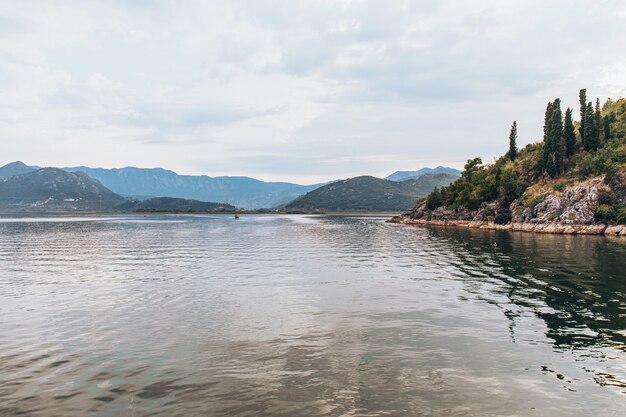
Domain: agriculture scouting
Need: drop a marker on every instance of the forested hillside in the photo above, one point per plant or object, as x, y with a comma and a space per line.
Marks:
576, 175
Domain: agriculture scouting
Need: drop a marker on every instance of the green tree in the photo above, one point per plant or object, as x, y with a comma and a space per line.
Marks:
509, 188
547, 137
568, 133
553, 135
434, 199
606, 122
551, 167
589, 139
512, 154
582, 99
561, 155
597, 122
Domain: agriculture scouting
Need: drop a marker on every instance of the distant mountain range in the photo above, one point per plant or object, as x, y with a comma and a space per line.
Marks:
243, 192
405, 175
15, 168
369, 194
24, 187
56, 190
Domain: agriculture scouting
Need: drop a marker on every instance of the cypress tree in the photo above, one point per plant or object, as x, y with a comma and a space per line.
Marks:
582, 99
555, 135
597, 122
551, 167
589, 138
561, 155
606, 121
547, 137
513, 142
568, 133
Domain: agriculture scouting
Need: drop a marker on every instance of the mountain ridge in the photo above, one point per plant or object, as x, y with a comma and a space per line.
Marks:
405, 175
368, 193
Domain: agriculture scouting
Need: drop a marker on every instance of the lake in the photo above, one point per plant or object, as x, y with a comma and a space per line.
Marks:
306, 316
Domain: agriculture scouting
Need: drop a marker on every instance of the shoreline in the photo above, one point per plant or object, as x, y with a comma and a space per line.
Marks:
548, 228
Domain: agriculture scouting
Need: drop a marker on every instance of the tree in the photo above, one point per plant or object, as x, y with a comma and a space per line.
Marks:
597, 121
551, 167
552, 137
434, 199
547, 137
582, 99
561, 155
513, 142
568, 133
589, 138
606, 120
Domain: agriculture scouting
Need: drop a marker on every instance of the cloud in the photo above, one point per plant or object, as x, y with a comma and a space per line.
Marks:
299, 90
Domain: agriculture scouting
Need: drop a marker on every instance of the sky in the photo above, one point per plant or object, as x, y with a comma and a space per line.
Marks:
299, 91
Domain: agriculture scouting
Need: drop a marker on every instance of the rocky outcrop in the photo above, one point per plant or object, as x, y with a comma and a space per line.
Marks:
571, 211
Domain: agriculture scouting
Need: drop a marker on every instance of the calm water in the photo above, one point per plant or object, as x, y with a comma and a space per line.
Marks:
298, 316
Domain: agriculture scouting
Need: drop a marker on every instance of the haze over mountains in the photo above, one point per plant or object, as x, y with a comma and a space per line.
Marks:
24, 187
243, 192
405, 175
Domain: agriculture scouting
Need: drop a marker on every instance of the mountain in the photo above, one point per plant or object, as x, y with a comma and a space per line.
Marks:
14, 168
572, 182
56, 189
174, 205
369, 194
242, 192
405, 175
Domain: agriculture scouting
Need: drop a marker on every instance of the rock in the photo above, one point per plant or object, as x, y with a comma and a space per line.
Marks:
614, 230
569, 230
548, 209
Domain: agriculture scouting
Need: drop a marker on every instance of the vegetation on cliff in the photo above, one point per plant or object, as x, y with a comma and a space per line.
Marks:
570, 153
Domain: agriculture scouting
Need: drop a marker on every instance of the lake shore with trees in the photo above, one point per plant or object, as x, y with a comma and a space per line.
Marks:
573, 182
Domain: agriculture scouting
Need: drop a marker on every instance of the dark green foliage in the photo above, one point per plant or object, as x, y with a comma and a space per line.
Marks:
590, 136
434, 199
503, 218
551, 167
178, 205
510, 187
547, 137
568, 133
597, 122
554, 148
512, 154
606, 125
582, 99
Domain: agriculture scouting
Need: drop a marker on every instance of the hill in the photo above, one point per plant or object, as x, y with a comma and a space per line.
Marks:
55, 189
243, 192
405, 175
168, 204
574, 181
14, 168
368, 194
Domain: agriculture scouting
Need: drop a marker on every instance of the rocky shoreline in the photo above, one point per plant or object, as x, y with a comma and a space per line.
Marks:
553, 228
571, 212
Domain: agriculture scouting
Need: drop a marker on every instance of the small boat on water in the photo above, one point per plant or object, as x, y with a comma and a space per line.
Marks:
236, 216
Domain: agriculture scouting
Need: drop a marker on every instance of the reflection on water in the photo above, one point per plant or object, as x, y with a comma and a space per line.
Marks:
289, 316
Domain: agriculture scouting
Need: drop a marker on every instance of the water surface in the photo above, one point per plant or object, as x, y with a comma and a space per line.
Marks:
301, 316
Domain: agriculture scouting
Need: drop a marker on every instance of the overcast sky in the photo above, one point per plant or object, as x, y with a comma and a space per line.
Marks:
303, 91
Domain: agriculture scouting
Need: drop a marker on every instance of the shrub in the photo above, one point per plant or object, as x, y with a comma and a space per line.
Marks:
559, 186
503, 218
